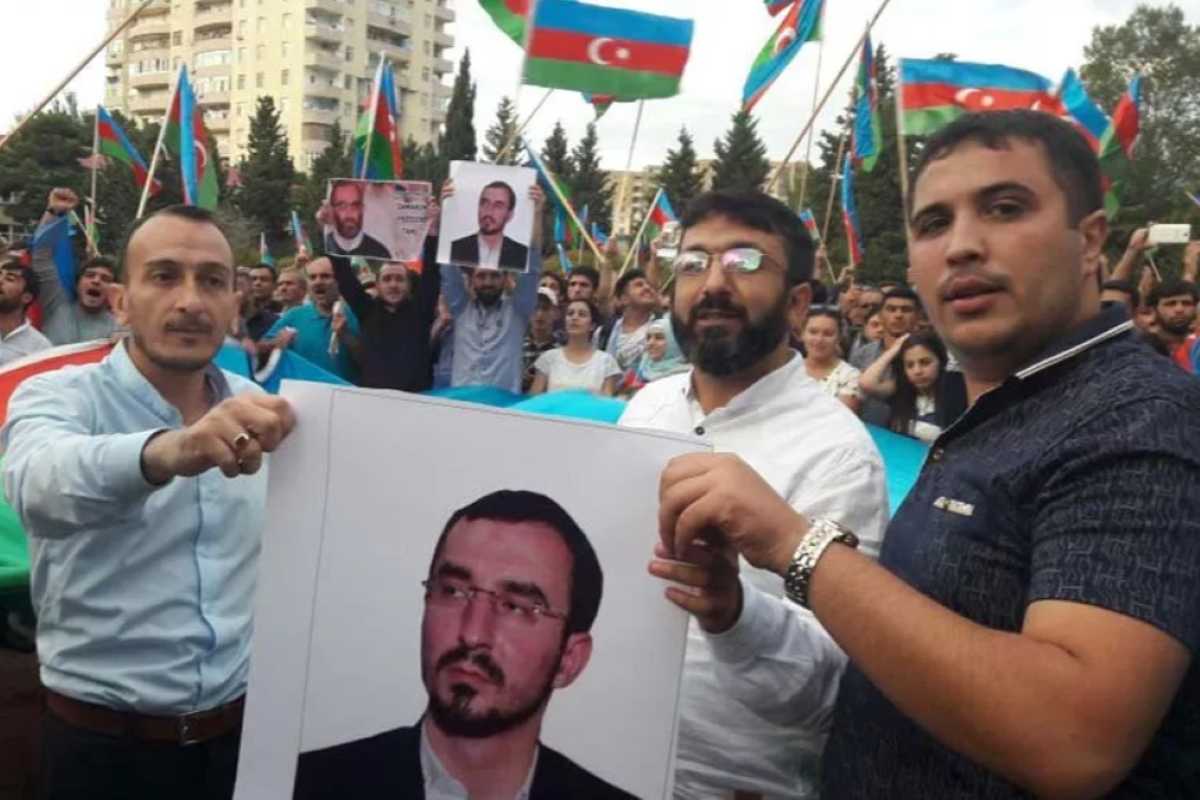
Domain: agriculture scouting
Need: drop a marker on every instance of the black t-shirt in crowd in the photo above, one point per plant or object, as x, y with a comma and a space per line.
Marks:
1076, 480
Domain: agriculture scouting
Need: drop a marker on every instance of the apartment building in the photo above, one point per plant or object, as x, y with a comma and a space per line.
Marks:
316, 58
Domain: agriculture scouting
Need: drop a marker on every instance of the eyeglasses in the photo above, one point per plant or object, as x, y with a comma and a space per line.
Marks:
736, 261
452, 594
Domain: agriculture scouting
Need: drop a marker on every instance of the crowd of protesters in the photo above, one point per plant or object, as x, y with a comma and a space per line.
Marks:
1025, 624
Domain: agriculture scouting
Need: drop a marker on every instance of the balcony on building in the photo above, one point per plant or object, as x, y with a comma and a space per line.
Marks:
395, 46
443, 66
396, 23
334, 8
213, 11
318, 83
150, 80
324, 58
323, 32
218, 119
320, 111
149, 26
318, 136
149, 103
442, 39
442, 11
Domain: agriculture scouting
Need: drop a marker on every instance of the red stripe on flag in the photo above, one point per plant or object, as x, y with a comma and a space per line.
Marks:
48, 361
931, 95
518, 7
616, 53
1127, 124
109, 135
659, 217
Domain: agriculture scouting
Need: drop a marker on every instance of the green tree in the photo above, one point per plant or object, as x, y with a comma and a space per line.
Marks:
334, 161
43, 155
556, 154
589, 183
877, 194
457, 142
267, 172
741, 157
1156, 42
502, 131
680, 175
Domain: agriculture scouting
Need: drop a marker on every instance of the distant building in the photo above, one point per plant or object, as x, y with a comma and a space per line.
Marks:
317, 59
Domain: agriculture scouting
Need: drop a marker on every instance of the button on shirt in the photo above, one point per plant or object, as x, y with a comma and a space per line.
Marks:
441, 785
1076, 480
488, 339
756, 700
24, 340
143, 594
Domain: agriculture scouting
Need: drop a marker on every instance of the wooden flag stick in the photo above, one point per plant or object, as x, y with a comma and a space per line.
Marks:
516, 135
633, 248
816, 111
833, 188
158, 146
71, 75
95, 169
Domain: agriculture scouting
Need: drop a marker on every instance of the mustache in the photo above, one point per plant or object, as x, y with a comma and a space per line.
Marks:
190, 325
717, 302
476, 658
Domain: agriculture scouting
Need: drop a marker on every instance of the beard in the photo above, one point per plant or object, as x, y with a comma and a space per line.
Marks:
10, 304
190, 363
457, 718
488, 297
1181, 327
720, 353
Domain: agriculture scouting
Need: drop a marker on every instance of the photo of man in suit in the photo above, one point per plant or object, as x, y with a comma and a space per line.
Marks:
512, 592
489, 247
346, 236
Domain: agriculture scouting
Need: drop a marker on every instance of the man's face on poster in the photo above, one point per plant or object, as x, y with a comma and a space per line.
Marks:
489, 660
347, 202
495, 210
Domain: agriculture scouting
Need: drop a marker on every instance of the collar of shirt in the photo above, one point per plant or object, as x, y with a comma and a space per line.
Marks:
15, 331
765, 392
489, 256
441, 785
348, 245
132, 379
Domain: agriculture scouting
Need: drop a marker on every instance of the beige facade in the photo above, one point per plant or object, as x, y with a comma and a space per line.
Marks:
632, 192
316, 58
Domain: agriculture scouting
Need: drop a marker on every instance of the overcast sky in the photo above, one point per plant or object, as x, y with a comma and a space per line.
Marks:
45, 40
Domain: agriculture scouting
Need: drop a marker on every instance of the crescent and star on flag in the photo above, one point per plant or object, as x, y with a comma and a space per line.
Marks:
595, 51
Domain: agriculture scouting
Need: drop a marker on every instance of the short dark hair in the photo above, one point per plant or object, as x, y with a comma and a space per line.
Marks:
628, 278
201, 216
507, 505
762, 213
820, 292
559, 280
902, 293
593, 309
266, 266
591, 273
1073, 164
825, 311
13, 264
1125, 287
512, 196
1173, 287
98, 262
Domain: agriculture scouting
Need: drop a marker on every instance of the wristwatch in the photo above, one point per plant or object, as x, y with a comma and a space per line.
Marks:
822, 532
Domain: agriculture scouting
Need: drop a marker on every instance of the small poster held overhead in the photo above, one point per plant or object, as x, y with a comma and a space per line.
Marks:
380, 220
488, 221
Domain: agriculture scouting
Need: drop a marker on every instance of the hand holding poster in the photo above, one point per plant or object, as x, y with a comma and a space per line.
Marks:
418, 602
488, 220
380, 220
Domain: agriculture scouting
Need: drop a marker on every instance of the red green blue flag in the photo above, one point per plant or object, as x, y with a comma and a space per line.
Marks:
801, 25
810, 225
660, 214
1081, 111
1118, 142
601, 50
545, 179
775, 6
114, 144
187, 141
303, 245
934, 92
509, 16
867, 135
854, 240
564, 260
377, 147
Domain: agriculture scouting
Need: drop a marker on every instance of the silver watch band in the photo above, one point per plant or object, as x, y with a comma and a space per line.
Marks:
822, 532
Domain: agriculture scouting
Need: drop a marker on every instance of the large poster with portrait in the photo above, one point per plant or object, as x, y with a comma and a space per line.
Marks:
455, 597
378, 220
488, 221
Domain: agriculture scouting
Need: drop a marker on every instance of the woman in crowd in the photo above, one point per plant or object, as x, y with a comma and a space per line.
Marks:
662, 358
578, 364
909, 375
823, 360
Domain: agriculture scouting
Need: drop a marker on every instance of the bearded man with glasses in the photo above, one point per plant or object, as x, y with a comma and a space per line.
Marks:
513, 589
760, 673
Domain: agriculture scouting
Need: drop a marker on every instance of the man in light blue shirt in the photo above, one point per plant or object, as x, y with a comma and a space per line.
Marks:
138, 482
309, 329
490, 326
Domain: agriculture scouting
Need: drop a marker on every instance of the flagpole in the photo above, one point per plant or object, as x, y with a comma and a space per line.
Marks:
902, 147
71, 76
813, 119
833, 188
627, 179
812, 133
95, 165
1192, 197
633, 248
566, 204
86, 234
516, 135
162, 135
371, 112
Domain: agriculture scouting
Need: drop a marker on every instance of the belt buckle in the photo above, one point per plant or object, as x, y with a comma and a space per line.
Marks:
186, 728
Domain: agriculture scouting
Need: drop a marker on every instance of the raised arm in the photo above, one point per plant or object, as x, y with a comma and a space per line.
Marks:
1138, 244
350, 286
51, 293
875, 380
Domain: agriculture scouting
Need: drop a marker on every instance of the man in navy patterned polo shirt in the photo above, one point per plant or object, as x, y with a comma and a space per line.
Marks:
1030, 625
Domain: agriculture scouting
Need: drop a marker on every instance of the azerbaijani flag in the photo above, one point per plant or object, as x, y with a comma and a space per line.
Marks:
564, 260
303, 245
1081, 111
810, 225
1118, 142
801, 26
775, 6
545, 179
867, 135
854, 242
562, 228
264, 252
935, 92
187, 141
660, 215
55, 236
601, 103
601, 238
601, 50
377, 151
116, 145
509, 16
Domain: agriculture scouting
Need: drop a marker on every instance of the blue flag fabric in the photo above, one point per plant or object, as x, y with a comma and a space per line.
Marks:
56, 237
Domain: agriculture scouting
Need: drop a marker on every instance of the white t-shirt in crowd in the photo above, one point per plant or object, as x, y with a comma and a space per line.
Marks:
842, 382
562, 373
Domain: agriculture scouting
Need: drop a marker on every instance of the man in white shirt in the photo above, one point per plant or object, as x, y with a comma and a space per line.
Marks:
18, 289
761, 674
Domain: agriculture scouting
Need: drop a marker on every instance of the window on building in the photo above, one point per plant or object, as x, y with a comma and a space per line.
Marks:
349, 81
283, 49
283, 78
260, 51
177, 38
258, 81
262, 25
241, 81
349, 53
287, 22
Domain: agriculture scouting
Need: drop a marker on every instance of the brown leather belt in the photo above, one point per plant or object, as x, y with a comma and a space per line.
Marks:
193, 728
